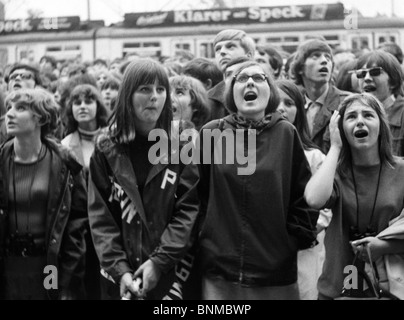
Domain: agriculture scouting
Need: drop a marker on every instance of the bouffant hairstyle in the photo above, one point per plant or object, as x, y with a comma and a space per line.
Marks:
42, 104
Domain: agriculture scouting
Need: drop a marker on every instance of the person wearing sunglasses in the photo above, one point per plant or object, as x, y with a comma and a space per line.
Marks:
312, 68
253, 223
22, 76
380, 74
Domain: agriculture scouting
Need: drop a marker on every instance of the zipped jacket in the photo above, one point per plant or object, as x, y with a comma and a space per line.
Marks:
129, 228
66, 214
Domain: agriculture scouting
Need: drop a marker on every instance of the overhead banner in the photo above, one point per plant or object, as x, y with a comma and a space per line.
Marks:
249, 15
39, 25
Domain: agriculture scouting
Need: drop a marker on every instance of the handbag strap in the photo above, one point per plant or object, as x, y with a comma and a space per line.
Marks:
373, 283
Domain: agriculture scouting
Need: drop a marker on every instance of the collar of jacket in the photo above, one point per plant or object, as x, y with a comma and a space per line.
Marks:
331, 103
74, 144
238, 122
217, 92
62, 161
122, 168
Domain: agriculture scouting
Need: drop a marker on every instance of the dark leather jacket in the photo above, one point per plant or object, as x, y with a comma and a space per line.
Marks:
66, 214
128, 229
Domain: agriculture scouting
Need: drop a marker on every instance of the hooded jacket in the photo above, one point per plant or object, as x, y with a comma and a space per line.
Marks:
254, 224
66, 214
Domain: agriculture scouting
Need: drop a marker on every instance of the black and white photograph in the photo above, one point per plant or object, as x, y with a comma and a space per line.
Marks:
213, 153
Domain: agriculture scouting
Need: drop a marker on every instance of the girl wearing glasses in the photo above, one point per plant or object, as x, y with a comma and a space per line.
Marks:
142, 211
254, 221
362, 182
43, 203
381, 75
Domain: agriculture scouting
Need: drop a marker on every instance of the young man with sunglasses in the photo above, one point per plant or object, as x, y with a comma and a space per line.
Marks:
22, 76
312, 69
381, 75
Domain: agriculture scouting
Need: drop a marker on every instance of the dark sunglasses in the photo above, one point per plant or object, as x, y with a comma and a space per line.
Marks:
23, 76
374, 72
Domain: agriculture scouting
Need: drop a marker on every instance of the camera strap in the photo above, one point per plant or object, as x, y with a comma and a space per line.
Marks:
357, 197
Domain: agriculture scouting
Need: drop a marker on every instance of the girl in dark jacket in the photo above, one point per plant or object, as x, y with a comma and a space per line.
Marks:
42, 204
256, 218
142, 208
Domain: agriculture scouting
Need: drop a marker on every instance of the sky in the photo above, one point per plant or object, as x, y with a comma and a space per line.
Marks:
112, 11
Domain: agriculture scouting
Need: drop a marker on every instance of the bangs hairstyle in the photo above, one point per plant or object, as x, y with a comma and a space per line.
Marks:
42, 104
199, 98
111, 83
273, 97
138, 72
390, 65
88, 92
385, 139
303, 52
246, 42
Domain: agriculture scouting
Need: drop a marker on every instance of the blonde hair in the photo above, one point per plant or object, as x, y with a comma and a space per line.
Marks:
42, 104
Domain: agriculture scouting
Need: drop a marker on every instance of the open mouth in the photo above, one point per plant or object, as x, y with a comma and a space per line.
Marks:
361, 134
323, 70
369, 88
250, 96
17, 86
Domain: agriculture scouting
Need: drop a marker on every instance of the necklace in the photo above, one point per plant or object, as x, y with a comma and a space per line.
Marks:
369, 226
30, 188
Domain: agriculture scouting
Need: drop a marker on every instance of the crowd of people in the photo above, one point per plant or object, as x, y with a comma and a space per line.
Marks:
305, 176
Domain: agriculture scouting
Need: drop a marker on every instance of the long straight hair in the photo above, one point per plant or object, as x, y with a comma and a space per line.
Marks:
385, 138
300, 122
139, 72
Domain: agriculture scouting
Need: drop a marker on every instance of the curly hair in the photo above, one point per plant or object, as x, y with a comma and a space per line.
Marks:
89, 92
42, 104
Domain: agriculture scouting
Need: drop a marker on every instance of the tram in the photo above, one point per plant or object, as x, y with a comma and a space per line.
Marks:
158, 34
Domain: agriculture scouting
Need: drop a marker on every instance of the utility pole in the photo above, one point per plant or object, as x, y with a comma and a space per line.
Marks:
88, 11
2, 11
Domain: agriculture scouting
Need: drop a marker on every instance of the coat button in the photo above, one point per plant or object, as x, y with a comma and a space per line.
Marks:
53, 242
64, 208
